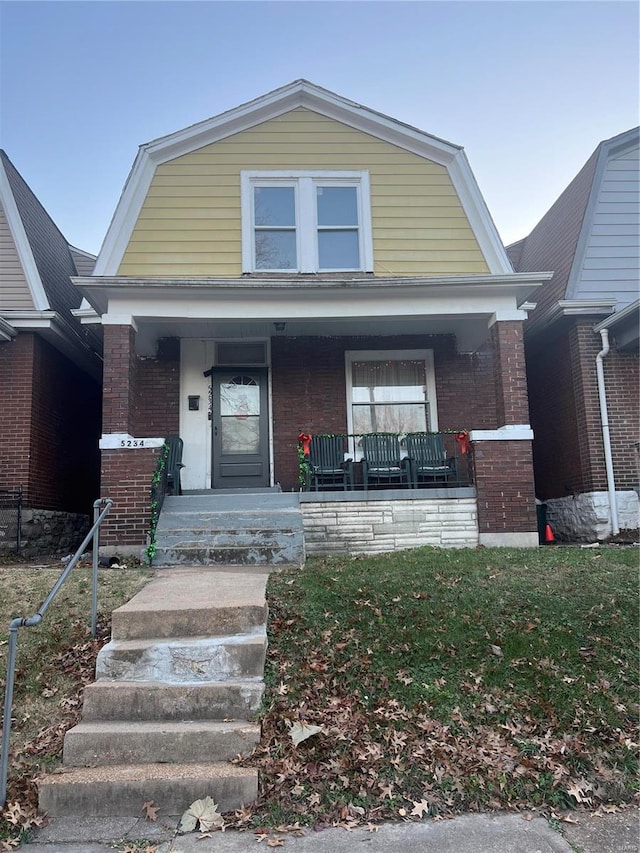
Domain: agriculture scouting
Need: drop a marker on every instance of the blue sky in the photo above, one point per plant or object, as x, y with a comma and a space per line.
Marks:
528, 88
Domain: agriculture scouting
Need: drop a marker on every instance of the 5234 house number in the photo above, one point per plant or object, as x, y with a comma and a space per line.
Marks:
132, 442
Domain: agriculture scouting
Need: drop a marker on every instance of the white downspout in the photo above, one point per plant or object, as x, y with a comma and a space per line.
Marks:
604, 417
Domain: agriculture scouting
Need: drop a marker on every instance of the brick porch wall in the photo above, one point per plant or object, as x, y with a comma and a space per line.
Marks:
141, 397
49, 426
309, 388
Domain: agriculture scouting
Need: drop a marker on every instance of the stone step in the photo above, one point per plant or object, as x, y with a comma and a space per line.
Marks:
120, 791
243, 555
227, 537
155, 701
197, 659
227, 501
231, 522
192, 603
263, 528
107, 743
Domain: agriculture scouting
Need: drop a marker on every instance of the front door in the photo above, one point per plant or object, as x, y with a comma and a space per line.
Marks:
240, 433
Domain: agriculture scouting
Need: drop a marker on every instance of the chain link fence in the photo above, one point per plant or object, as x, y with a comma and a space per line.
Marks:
10, 520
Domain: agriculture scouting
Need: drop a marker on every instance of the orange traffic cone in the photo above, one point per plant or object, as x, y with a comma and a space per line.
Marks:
549, 538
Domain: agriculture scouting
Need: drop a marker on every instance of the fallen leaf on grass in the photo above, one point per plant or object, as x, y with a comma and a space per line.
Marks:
420, 809
301, 731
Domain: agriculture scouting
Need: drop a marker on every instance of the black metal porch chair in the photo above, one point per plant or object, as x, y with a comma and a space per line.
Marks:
428, 459
382, 460
174, 464
326, 465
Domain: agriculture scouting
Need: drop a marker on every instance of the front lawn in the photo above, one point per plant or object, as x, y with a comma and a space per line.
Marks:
451, 680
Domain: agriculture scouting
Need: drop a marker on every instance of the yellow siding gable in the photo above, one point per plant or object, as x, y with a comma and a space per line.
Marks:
14, 292
190, 222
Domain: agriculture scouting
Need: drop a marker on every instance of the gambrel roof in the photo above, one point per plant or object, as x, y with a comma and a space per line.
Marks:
592, 225
300, 93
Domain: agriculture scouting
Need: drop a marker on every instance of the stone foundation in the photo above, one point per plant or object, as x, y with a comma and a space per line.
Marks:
46, 532
585, 518
335, 525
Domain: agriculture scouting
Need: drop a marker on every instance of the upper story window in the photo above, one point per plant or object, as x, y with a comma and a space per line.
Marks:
306, 222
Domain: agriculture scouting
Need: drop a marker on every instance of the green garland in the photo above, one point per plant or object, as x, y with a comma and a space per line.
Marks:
156, 481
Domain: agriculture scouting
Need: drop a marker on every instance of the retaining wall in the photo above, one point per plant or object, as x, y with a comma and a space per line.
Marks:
335, 525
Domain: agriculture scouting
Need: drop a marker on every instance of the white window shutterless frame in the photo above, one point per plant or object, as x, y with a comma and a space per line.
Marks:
390, 391
306, 221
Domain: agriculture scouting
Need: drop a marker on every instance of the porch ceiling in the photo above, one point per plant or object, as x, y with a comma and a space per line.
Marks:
470, 331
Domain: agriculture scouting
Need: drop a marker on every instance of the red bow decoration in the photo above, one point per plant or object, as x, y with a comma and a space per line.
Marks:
305, 440
463, 439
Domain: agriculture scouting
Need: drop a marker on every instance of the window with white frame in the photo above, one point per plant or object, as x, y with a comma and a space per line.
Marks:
306, 221
391, 391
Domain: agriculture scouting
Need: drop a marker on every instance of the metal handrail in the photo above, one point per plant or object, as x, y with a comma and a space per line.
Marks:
32, 621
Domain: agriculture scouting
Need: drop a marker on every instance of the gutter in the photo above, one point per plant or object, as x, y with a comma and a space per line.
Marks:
606, 436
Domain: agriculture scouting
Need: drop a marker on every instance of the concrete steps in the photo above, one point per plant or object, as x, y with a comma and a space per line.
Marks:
197, 659
191, 603
105, 743
120, 791
257, 529
175, 692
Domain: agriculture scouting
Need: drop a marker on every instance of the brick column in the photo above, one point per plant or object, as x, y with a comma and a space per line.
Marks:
125, 474
503, 476
141, 400
118, 395
126, 479
502, 457
510, 375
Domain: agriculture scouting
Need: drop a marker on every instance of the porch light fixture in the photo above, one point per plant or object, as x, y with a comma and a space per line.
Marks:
280, 327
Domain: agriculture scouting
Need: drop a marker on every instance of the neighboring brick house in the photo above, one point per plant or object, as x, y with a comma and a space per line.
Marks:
590, 238
50, 373
266, 259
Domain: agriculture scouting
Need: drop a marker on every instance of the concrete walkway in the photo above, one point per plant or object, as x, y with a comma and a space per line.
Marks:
494, 833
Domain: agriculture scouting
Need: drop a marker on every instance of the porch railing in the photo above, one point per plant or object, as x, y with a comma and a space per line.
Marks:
455, 472
99, 512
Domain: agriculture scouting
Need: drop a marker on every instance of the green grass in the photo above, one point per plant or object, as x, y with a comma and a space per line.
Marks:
472, 679
54, 662
452, 679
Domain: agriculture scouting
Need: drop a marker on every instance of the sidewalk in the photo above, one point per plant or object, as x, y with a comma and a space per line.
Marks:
485, 833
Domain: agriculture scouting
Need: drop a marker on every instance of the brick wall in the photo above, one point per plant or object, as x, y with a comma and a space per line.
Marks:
309, 388
568, 445
157, 392
49, 426
16, 379
503, 474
